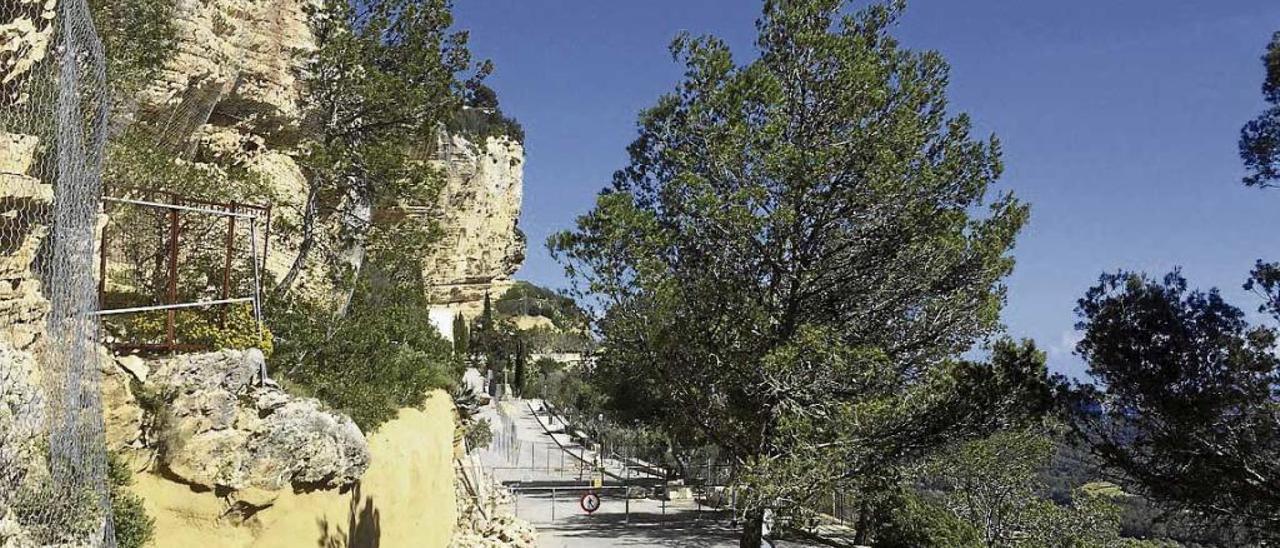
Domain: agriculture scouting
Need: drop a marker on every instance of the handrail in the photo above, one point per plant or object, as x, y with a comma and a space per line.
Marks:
203, 304
181, 208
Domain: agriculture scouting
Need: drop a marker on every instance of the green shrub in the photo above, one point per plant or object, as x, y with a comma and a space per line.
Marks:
55, 513
230, 327
481, 124
479, 434
134, 528
69, 513
382, 356
912, 521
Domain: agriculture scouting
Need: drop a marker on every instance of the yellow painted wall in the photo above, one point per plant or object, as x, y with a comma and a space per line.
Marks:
406, 499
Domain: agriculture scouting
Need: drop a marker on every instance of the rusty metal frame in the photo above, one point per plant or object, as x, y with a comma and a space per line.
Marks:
174, 204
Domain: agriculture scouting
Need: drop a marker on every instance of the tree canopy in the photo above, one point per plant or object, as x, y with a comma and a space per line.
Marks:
1260, 138
385, 78
799, 250
1185, 408
386, 75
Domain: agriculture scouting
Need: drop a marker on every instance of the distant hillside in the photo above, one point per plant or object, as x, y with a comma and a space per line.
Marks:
549, 322
527, 299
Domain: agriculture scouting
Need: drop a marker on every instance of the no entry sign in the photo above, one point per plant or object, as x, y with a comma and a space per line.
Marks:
590, 502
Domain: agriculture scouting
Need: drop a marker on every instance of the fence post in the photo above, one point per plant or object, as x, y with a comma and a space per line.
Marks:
257, 279
626, 491
266, 237
226, 262
102, 264
171, 315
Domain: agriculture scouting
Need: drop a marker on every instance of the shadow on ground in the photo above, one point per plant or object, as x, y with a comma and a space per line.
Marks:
613, 527
364, 525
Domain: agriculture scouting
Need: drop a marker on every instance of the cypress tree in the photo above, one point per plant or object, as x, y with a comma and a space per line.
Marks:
461, 336
520, 365
484, 343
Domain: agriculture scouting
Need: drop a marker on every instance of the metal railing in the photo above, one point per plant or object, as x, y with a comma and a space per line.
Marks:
152, 228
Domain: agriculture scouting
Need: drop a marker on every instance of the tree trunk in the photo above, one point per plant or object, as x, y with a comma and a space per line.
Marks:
863, 533
752, 525
355, 231
309, 214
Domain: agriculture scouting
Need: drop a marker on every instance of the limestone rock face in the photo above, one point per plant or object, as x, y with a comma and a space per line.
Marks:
229, 430
290, 185
24, 202
122, 416
21, 416
235, 86
479, 213
26, 37
236, 59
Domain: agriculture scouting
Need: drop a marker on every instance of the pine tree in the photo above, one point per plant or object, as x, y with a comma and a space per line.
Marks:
1260, 138
799, 253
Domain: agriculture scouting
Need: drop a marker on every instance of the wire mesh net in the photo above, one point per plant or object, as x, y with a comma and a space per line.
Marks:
52, 128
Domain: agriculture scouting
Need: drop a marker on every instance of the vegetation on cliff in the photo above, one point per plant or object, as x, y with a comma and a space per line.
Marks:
382, 82
134, 528
138, 36
481, 117
384, 78
383, 355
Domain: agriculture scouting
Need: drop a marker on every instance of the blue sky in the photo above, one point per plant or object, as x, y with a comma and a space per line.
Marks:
1119, 121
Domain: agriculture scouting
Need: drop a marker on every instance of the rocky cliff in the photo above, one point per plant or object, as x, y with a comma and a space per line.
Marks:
23, 309
215, 423
236, 64
234, 86
406, 498
232, 89
479, 213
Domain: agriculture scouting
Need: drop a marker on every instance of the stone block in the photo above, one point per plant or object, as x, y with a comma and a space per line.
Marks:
17, 152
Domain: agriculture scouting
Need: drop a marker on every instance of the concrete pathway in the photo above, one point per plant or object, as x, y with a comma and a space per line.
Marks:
547, 469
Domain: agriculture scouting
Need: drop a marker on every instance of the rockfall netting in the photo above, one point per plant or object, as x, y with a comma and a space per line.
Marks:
188, 215
53, 111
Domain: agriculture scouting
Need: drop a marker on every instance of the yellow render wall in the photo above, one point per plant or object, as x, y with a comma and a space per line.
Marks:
406, 499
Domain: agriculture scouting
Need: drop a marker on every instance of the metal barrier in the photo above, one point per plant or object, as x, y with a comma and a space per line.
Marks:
163, 252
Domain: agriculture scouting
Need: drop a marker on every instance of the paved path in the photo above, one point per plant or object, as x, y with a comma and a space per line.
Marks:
548, 469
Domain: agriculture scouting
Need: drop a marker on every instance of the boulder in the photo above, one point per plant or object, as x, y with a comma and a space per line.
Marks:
300, 444
135, 366
231, 430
